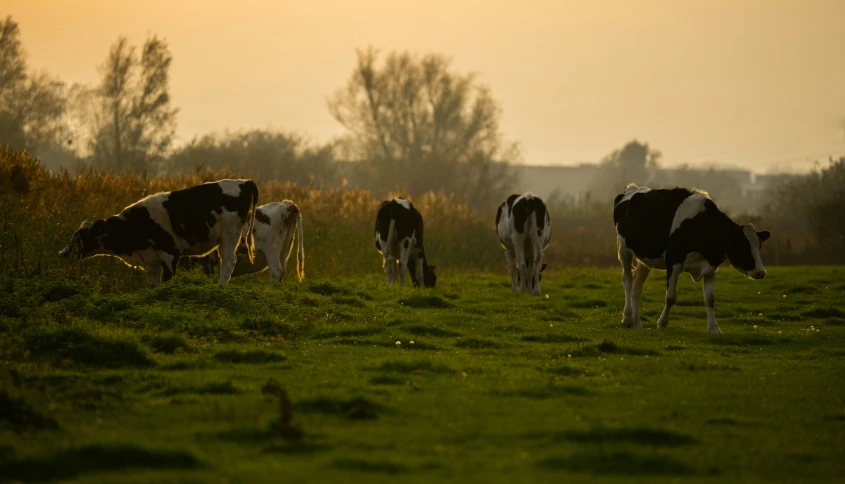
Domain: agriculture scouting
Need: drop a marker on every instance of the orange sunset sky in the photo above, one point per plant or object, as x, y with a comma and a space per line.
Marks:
757, 84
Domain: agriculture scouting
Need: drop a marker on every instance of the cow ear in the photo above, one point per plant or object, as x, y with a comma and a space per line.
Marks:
764, 235
544, 267
86, 224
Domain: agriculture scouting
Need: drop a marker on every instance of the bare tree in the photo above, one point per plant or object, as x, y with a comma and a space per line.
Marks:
132, 120
414, 122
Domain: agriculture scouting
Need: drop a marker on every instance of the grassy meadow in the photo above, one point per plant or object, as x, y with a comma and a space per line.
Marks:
464, 383
341, 378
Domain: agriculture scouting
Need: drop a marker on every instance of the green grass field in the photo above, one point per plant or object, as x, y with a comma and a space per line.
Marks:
464, 383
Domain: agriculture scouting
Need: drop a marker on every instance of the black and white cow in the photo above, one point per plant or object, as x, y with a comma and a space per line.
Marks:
679, 230
524, 229
154, 232
399, 235
276, 224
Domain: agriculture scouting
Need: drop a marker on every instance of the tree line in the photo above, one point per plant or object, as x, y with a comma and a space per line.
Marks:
412, 122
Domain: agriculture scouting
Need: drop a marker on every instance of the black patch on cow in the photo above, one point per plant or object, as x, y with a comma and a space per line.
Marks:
262, 217
523, 209
131, 231
645, 220
191, 210
407, 222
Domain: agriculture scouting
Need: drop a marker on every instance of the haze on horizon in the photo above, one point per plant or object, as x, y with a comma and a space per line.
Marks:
755, 84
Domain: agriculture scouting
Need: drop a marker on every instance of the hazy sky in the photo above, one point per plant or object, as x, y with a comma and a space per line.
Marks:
755, 83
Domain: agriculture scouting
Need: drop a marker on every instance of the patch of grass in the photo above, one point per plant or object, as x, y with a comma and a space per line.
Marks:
326, 288
834, 322
353, 301
559, 314
618, 463
565, 371
167, 344
248, 356
424, 301
386, 380
78, 346
96, 458
211, 388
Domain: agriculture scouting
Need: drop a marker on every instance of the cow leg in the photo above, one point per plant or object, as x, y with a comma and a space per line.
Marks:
277, 266
419, 270
640, 275
672, 274
626, 257
522, 266
153, 269
228, 258
169, 263
404, 255
710, 303
513, 269
536, 266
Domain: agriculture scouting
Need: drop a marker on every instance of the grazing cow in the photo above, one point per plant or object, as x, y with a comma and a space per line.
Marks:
399, 235
679, 230
524, 229
275, 226
155, 231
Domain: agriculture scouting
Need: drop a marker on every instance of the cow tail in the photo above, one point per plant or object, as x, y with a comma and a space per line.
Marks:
249, 240
300, 249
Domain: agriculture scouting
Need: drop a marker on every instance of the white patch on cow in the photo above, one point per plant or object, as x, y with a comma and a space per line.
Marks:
230, 187
403, 202
633, 190
697, 266
689, 208
274, 242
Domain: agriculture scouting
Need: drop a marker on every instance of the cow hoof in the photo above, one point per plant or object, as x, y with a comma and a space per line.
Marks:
662, 323
715, 330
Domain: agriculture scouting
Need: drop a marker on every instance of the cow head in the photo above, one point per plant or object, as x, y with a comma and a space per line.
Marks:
86, 241
429, 277
744, 250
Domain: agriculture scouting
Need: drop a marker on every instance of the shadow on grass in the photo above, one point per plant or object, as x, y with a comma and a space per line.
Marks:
540, 393
18, 415
96, 458
421, 330
641, 436
82, 347
553, 338
618, 463
477, 344
382, 467
565, 371
386, 380
424, 301
421, 366
609, 347
824, 312
167, 344
358, 408
248, 356
213, 388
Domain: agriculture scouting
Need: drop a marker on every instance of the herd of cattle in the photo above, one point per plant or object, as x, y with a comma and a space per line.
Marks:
676, 230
